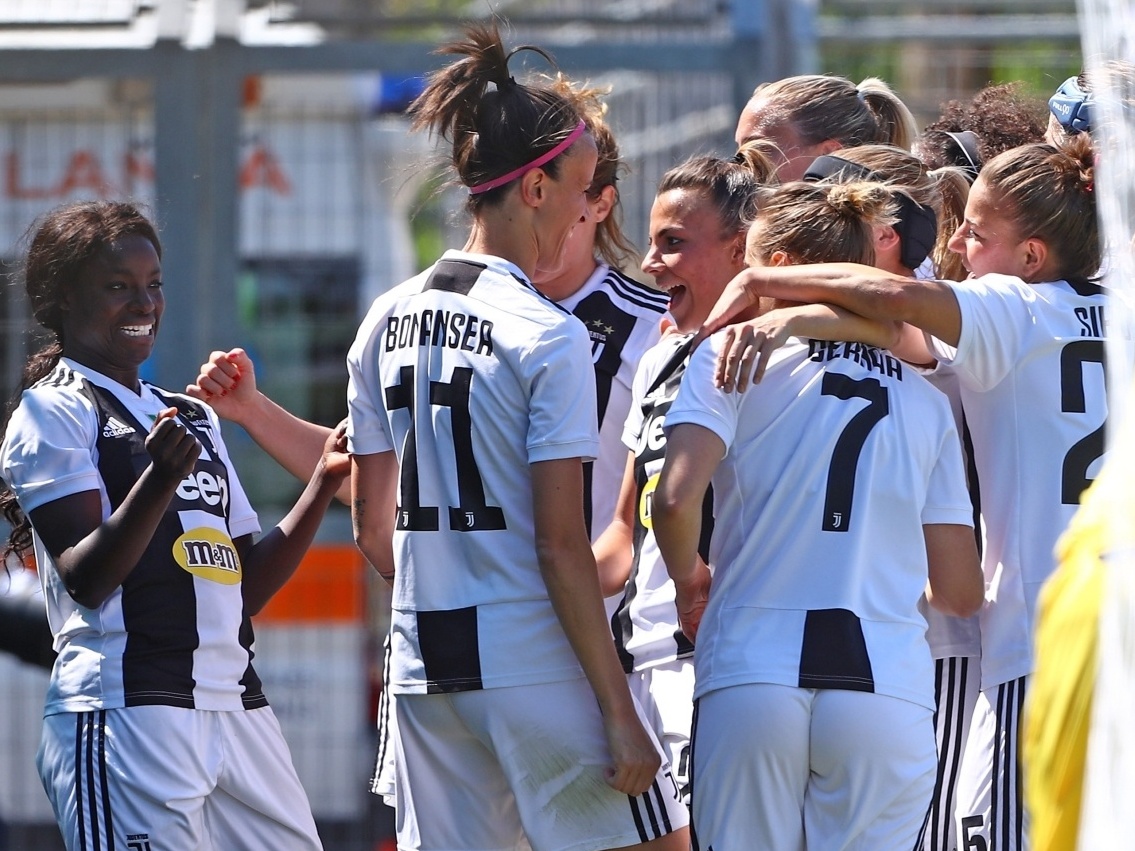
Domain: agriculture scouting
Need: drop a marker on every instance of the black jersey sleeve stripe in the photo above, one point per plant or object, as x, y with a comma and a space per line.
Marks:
655, 829
454, 276
663, 813
637, 293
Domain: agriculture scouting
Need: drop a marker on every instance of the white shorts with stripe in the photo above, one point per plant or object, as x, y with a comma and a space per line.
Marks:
382, 778
512, 768
991, 810
155, 777
958, 682
666, 694
774, 764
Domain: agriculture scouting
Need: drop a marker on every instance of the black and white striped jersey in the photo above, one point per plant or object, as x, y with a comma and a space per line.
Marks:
645, 624
175, 633
471, 376
833, 464
623, 319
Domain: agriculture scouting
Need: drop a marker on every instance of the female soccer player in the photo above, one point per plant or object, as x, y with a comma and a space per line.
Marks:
839, 492
469, 421
156, 729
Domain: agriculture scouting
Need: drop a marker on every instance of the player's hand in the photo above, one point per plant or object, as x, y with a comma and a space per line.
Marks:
635, 759
227, 383
740, 294
752, 340
172, 448
691, 597
335, 464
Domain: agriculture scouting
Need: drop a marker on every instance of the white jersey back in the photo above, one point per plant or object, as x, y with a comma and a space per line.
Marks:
834, 463
1030, 364
471, 376
623, 318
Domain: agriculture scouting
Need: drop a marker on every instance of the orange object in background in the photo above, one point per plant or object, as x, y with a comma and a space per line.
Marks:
328, 586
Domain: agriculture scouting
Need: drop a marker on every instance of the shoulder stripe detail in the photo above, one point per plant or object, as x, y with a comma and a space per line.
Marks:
637, 293
61, 375
454, 276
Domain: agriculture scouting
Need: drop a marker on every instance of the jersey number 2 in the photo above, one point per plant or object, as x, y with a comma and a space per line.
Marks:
1074, 474
845, 457
473, 514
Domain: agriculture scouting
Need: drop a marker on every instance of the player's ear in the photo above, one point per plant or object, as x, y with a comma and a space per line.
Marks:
602, 206
1034, 254
533, 187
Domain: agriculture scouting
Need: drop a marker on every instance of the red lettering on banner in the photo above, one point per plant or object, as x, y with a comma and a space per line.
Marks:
12, 185
83, 172
263, 169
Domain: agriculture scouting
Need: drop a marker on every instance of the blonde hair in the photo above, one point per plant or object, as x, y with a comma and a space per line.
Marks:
822, 107
821, 222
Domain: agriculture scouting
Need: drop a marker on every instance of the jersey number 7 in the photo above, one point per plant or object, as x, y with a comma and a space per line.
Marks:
848, 447
473, 514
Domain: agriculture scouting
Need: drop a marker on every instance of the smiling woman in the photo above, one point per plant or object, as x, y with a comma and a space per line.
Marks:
143, 538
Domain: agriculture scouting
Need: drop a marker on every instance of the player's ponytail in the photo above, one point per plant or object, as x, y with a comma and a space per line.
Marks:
953, 185
497, 133
895, 124
821, 107
1049, 194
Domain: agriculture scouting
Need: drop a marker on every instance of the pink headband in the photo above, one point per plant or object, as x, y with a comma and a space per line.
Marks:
579, 130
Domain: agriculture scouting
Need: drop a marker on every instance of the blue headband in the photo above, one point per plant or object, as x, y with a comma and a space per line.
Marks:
1072, 107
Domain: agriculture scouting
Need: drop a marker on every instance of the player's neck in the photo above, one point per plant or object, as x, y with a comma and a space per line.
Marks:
568, 281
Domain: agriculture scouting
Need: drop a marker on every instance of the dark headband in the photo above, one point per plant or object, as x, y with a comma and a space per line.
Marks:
917, 226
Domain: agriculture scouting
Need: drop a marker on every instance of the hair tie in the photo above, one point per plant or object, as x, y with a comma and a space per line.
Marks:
543, 159
859, 94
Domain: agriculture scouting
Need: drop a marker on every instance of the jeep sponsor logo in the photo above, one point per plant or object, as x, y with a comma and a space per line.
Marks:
203, 485
208, 553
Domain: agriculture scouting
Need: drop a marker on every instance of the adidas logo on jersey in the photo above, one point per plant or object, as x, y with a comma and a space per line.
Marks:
114, 428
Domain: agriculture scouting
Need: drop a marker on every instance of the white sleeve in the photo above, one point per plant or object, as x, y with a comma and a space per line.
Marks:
700, 401
562, 420
368, 430
996, 313
49, 447
947, 497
